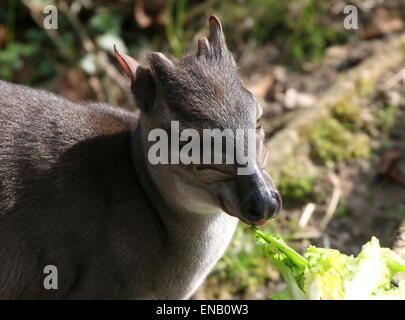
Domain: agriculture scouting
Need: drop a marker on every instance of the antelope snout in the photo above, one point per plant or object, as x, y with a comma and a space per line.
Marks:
258, 206
251, 198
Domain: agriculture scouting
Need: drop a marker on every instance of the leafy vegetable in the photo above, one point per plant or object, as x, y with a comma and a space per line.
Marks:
327, 274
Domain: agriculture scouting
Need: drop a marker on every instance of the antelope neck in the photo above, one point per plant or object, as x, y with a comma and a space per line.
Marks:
141, 169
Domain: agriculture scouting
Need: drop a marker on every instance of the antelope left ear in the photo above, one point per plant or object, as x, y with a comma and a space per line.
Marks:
128, 64
142, 83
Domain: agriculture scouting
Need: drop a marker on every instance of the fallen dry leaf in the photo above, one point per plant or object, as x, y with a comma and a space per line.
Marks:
3, 35
388, 169
150, 13
382, 22
74, 85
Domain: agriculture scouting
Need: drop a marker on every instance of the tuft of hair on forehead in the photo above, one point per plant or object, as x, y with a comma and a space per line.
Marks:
205, 87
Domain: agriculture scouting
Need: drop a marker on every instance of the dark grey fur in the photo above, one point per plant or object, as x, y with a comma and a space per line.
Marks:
75, 193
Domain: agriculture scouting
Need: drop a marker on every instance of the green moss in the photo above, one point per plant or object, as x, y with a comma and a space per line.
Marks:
364, 86
296, 190
340, 136
341, 210
332, 142
348, 113
297, 183
243, 267
384, 118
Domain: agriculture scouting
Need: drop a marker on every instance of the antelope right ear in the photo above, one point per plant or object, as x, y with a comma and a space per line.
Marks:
142, 82
128, 64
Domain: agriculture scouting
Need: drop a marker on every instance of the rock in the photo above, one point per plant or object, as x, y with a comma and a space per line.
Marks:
294, 99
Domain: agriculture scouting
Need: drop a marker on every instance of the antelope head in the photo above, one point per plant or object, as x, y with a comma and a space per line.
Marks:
203, 91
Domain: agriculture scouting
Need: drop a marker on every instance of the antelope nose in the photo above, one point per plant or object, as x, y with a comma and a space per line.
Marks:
261, 207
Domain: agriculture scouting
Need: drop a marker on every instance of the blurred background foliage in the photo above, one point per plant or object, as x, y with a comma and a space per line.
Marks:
289, 54
297, 30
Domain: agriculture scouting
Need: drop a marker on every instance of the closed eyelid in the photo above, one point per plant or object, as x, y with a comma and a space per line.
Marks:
210, 167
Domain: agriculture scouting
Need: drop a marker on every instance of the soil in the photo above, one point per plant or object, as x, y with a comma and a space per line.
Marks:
375, 204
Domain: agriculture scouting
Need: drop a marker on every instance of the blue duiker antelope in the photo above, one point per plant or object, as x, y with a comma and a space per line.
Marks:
77, 190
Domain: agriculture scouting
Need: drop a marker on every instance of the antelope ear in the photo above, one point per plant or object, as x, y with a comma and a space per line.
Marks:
161, 67
128, 64
158, 61
142, 82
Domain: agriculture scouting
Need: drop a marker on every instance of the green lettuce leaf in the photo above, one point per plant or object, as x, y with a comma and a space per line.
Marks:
327, 274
